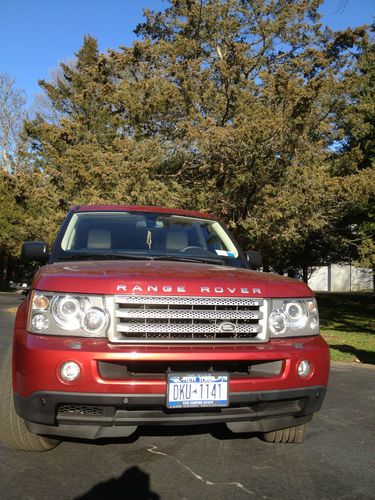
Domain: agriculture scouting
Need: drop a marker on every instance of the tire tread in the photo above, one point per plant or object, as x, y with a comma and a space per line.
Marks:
293, 435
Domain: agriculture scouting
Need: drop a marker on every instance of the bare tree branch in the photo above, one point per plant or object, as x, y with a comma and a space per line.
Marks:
12, 102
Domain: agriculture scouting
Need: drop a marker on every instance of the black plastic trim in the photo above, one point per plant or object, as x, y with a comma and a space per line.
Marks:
139, 409
117, 431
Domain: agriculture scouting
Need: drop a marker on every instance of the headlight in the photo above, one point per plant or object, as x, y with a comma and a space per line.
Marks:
293, 318
94, 320
76, 315
68, 311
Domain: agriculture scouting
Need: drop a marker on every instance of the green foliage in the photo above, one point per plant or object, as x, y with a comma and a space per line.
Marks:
89, 157
12, 229
355, 160
236, 107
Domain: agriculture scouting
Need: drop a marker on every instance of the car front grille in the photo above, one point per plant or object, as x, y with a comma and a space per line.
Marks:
193, 319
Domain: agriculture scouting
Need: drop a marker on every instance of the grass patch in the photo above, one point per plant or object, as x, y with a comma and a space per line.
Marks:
347, 323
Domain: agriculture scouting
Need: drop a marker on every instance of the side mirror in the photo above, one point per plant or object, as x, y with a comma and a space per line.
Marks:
254, 259
35, 250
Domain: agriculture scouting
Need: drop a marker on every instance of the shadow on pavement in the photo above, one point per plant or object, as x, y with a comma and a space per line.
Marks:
133, 484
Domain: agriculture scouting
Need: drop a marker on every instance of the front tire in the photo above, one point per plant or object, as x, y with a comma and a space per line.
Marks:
295, 435
13, 431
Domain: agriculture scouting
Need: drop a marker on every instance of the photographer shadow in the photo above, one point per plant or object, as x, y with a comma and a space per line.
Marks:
133, 484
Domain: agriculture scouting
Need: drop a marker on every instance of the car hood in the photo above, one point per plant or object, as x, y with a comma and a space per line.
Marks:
164, 278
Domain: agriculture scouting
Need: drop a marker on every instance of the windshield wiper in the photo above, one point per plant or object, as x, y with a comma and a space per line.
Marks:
104, 256
129, 256
201, 260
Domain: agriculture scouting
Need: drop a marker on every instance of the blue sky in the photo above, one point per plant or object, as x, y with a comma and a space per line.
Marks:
36, 35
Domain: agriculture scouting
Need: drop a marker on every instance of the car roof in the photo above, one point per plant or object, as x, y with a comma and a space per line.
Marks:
139, 208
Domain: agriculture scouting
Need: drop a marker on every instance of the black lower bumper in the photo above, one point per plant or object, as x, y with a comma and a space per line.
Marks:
100, 415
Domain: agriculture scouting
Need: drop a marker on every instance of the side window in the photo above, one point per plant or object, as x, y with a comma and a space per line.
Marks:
81, 236
212, 239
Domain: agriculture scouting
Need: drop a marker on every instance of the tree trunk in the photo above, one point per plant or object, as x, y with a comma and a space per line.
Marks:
305, 274
2, 269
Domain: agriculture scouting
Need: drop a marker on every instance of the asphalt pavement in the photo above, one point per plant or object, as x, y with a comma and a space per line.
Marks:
336, 461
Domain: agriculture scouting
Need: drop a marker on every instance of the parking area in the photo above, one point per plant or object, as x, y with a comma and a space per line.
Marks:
337, 460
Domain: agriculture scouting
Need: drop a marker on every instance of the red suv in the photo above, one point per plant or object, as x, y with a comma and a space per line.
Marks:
146, 315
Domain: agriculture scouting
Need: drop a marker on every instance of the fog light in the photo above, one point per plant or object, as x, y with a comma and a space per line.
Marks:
304, 369
70, 371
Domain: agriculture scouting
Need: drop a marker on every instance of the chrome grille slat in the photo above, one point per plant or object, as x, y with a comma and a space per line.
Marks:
187, 314
182, 328
178, 319
204, 301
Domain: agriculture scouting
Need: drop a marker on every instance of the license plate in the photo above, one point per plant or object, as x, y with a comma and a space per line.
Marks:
197, 390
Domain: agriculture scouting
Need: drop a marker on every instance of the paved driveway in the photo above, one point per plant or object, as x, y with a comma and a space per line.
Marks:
337, 460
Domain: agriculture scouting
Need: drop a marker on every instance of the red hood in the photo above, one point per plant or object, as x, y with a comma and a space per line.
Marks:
164, 278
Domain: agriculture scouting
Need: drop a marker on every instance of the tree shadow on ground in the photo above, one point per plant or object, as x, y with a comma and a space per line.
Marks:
133, 484
348, 326
348, 312
363, 356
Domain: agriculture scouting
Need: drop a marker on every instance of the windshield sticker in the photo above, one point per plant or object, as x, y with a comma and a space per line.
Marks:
225, 253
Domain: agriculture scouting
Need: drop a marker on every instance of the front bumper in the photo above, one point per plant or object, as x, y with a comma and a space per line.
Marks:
122, 387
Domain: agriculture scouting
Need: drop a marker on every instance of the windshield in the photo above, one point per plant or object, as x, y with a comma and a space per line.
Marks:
146, 235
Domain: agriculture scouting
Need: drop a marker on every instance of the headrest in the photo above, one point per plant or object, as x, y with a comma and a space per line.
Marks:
99, 238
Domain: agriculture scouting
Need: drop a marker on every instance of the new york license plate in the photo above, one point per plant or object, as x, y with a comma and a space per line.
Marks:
197, 390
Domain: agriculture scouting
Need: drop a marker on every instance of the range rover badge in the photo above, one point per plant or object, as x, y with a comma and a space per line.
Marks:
227, 327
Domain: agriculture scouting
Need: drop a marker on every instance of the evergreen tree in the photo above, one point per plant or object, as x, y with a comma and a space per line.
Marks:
13, 231
244, 93
356, 158
89, 156
236, 107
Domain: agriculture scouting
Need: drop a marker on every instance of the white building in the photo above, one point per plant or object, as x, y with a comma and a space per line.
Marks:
341, 278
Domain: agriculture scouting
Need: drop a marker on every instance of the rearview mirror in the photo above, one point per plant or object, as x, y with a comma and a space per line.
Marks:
254, 259
35, 250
